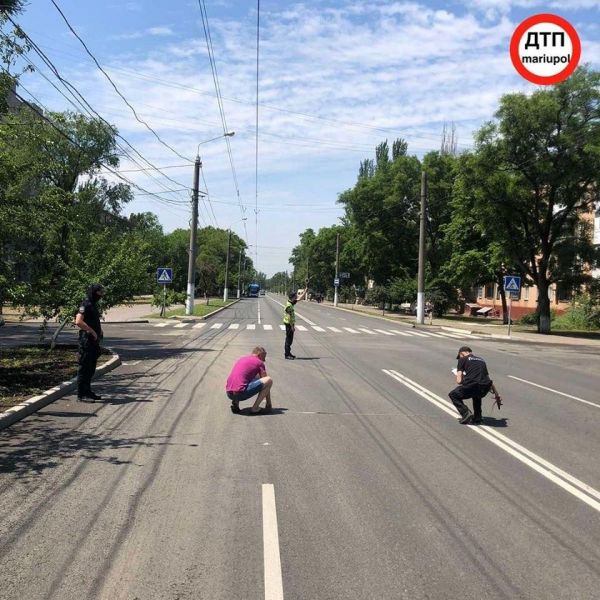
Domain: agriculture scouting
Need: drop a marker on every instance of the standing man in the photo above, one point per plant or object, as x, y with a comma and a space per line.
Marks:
248, 378
473, 382
90, 334
289, 320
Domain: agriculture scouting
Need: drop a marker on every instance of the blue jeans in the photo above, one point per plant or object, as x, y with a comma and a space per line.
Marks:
253, 388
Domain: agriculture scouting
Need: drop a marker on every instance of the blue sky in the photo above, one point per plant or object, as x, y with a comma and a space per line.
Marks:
336, 78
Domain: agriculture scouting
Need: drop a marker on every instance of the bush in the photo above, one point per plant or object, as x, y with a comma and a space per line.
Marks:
377, 295
529, 319
582, 314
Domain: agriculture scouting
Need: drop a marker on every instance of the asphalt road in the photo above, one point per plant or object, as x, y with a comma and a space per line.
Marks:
360, 485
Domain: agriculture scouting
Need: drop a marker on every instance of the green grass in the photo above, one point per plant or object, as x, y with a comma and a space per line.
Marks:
201, 309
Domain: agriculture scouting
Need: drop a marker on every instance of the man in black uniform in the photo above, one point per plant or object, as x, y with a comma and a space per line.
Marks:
88, 321
473, 382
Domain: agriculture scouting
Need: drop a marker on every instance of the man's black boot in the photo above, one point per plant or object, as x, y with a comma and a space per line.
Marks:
466, 417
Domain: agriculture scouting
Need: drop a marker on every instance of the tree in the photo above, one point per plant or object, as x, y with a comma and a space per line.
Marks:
537, 169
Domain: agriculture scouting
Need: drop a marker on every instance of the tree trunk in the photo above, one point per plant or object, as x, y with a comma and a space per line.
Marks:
503, 300
544, 319
56, 334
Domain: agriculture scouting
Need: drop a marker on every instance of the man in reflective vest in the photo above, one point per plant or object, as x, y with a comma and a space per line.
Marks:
289, 320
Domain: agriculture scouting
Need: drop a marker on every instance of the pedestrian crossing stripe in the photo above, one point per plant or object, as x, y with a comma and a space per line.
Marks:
326, 329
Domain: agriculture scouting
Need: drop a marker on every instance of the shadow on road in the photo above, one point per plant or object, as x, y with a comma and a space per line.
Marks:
493, 422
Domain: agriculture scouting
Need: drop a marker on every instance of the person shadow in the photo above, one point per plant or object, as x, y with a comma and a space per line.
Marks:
276, 410
493, 422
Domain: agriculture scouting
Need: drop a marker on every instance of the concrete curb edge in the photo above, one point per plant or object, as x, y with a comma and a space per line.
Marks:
35, 403
202, 318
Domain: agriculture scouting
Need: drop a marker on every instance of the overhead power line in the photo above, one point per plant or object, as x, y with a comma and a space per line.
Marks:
113, 84
215, 75
256, 128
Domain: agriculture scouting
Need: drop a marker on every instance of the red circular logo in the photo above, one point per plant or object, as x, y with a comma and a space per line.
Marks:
545, 49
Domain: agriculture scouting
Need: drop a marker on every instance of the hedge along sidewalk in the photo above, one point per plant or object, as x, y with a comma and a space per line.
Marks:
20, 411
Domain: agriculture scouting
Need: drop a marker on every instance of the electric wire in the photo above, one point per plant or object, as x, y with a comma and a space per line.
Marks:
117, 90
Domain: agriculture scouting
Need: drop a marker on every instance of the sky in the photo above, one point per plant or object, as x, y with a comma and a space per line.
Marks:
336, 78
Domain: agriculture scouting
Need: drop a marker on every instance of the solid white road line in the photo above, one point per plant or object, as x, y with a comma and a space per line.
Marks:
162, 324
268, 327
317, 328
251, 326
571, 484
400, 332
350, 330
199, 326
272, 556
335, 329
300, 328
367, 331
181, 325
234, 326
556, 391
258, 311
383, 331
217, 326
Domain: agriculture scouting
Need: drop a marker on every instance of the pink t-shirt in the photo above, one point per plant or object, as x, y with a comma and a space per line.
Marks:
243, 372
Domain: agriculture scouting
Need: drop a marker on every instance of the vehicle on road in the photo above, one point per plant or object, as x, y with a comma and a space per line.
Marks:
253, 290
262, 292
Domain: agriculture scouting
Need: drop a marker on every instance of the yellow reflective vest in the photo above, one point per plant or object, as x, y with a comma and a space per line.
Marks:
289, 315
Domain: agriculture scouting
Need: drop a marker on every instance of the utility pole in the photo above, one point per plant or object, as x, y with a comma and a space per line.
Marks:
421, 276
226, 291
191, 284
337, 268
240, 275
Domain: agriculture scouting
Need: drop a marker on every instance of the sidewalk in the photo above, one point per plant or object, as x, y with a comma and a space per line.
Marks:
483, 329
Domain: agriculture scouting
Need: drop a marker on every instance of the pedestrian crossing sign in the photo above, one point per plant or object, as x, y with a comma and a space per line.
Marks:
164, 275
512, 283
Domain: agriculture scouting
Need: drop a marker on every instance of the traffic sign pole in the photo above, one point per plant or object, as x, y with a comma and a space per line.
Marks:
509, 310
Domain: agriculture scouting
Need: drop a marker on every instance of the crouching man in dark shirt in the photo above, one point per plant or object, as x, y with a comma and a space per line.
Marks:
473, 382
90, 334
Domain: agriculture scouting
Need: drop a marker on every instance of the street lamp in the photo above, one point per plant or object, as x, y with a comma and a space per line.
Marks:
191, 284
226, 290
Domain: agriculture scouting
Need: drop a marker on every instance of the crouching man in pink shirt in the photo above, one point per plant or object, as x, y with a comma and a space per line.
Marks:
247, 378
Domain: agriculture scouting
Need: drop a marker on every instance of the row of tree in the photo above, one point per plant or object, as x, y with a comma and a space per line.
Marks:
518, 203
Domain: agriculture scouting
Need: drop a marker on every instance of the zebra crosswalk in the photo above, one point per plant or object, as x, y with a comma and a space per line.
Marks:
355, 331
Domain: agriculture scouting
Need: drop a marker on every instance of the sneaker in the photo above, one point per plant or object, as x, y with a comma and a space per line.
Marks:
477, 420
93, 396
466, 417
84, 399
235, 408
290, 357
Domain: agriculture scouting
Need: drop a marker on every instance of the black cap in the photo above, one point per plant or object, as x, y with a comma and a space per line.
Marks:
463, 349
293, 296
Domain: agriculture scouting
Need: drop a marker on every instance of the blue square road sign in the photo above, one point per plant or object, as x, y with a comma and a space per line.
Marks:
164, 275
512, 283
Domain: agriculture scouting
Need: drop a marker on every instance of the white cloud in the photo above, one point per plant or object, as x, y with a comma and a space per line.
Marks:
160, 31
327, 78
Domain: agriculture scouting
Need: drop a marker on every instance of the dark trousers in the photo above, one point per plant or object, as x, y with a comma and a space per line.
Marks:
462, 392
89, 350
289, 338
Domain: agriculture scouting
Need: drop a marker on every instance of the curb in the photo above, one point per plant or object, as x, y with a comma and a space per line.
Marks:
125, 322
20, 411
194, 318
